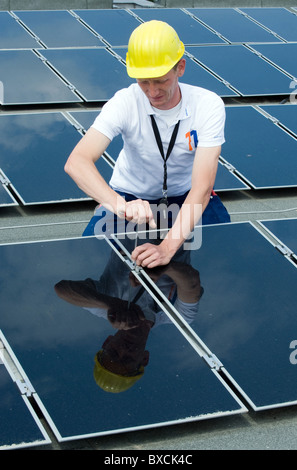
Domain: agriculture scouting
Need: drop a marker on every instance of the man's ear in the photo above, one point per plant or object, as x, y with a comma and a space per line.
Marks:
181, 66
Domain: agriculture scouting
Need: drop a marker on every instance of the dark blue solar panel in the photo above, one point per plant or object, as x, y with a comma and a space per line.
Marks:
227, 181
189, 30
26, 80
249, 74
95, 73
247, 313
33, 152
279, 20
281, 55
115, 26
58, 28
259, 150
18, 426
77, 280
285, 230
13, 35
286, 115
232, 25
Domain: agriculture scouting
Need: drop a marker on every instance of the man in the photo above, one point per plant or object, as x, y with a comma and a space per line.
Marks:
188, 119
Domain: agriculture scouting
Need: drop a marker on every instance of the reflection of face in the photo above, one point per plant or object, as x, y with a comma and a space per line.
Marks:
122, 354
163, 92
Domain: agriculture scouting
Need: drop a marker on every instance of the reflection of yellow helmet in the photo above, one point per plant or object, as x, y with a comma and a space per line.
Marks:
111, 382
153, 50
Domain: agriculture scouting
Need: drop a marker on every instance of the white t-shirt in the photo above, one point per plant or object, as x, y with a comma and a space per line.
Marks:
139, 166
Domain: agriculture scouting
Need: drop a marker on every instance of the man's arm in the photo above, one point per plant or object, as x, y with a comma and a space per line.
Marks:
81, 167
203, 179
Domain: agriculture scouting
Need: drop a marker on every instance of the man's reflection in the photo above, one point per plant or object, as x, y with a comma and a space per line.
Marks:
119, 298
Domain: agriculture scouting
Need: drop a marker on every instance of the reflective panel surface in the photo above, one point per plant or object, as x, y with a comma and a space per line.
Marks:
58, 28
97, 365
232, 25
285, 230
189, 30
247, 313
95, 73
115, 26
286, 115
259, 150
33, 152
281, 55
251, 75
18, 426
13, 35
279, 20
26, 80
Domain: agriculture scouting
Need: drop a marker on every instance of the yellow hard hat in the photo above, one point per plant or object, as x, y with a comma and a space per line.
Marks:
153, 50
111, 382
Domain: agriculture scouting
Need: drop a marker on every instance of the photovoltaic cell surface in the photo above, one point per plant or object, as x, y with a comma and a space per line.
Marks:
13, 35
18, 426
285, 230
251, 76
285, 115
281, 55
27, 80
241, 319
76, 294
115, 26
233, 26
34, 149
262, 152
279, 20
58, 28
188, 29
95, 73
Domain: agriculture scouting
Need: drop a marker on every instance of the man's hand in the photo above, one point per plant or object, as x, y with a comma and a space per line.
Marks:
137, 211
150, 256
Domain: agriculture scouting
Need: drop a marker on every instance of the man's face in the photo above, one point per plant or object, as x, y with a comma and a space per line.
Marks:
163, 92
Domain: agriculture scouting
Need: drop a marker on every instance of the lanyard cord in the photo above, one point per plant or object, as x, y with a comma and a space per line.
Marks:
170, 147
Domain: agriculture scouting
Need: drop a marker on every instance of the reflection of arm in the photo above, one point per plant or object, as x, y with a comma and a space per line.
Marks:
186, 278
82, 294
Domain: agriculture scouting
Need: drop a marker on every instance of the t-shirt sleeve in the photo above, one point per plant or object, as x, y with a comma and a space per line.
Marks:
112, 119
211, 132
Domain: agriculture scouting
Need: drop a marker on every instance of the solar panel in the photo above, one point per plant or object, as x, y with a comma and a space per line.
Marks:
285, 115
260, 151
284, 230
58, 28
13, 35
233, 26
27, 80
251, 75
279, 20
115, 26
78, 280
95, 73
189, 30
33, 151
247, 313
20, 426
281, 55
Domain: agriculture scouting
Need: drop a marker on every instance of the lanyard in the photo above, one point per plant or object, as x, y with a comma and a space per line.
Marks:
170, 147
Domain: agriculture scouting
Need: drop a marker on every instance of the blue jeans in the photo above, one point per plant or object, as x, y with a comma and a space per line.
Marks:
214, 213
